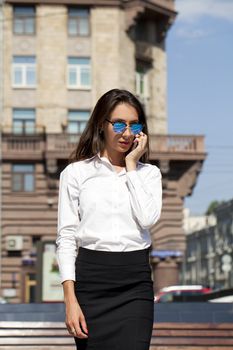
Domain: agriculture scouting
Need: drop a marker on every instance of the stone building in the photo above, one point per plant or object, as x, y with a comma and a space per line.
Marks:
59, 58
1, 114
209, 253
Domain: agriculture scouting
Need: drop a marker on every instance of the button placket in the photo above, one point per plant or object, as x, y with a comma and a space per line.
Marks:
116, 204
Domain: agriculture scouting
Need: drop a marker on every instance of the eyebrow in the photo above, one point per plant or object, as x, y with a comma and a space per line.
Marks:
122, 120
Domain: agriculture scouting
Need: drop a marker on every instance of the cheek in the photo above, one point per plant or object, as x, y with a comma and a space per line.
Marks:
111, 136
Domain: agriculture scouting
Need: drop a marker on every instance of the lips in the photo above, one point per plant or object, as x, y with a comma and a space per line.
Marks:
124, 143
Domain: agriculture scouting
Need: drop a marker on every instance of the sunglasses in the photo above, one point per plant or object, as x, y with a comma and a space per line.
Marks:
119, 127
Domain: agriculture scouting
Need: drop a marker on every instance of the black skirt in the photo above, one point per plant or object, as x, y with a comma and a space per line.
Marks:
115, 293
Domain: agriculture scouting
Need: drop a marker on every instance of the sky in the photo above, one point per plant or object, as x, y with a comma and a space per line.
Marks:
200, 92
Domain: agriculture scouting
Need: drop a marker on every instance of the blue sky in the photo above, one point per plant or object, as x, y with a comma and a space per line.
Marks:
200, 91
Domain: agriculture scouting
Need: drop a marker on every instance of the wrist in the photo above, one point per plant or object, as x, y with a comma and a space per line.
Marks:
70, 299
130, 166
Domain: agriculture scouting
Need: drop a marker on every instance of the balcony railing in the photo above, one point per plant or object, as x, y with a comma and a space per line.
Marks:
16, 146
177, 143
61, 145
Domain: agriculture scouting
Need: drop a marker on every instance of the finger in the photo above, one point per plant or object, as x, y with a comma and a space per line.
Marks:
143, 138
83, 324
144, 141
79, 333
71, 330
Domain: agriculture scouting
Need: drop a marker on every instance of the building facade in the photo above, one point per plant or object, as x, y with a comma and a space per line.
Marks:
209, 254
59, 58
1, 115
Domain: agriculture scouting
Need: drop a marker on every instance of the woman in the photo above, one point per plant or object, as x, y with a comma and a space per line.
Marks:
109, 197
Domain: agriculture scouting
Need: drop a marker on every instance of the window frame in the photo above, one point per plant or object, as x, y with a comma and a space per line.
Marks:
24, 121
138, 76
22, 174
77, 19
78, 121
77, 68
23, 68
24, 17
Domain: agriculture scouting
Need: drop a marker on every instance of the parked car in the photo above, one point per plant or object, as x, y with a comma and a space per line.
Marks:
2, 301
179, 293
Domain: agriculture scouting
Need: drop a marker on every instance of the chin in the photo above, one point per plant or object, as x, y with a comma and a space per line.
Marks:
122, 150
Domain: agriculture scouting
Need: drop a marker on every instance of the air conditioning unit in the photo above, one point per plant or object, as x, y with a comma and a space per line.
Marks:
14, 243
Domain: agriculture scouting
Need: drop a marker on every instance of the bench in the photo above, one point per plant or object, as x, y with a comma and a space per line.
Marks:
166, 336
192, 336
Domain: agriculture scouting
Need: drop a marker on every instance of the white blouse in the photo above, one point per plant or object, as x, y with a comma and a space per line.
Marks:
102, 209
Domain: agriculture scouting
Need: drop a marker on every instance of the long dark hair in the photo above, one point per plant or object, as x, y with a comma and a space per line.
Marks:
92, 140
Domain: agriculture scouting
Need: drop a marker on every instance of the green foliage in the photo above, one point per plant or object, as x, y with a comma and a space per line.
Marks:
212, 206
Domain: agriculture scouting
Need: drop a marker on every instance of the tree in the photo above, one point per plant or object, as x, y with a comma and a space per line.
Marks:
212, 206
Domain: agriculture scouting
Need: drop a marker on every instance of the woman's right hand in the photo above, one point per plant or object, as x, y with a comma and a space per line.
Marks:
75, 317
74, 314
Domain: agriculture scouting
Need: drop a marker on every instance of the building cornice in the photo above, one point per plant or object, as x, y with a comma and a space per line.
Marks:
165, 7
161, 11
68, 2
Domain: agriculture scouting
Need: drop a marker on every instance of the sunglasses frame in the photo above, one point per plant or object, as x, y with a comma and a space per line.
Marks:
125, 126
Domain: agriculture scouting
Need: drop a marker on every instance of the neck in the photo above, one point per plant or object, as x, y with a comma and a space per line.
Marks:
116, 158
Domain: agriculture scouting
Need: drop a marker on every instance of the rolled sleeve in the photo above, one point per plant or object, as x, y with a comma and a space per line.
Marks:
145, 195
67, 224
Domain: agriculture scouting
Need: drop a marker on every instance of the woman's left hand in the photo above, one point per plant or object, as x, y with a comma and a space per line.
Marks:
138, 149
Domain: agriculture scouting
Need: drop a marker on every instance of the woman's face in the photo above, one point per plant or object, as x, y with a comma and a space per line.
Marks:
120, 142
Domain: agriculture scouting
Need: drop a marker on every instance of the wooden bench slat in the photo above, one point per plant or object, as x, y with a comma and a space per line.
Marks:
17, 324
186, 347
190, 341
181, 325
34, 341
34, 332
40, 347
192, 332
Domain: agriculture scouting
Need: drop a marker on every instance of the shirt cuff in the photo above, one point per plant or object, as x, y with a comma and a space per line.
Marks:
66, 269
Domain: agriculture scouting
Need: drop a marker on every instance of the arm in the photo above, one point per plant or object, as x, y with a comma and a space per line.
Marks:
145, 195
67, 224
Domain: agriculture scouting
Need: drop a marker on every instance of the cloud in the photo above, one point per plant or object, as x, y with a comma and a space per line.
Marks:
189, 33
193, 10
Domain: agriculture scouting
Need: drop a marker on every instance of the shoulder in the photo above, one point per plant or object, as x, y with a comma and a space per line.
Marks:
75, 171
70, 171
74, 166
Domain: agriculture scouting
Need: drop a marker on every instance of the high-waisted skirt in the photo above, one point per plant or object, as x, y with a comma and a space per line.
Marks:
115, 293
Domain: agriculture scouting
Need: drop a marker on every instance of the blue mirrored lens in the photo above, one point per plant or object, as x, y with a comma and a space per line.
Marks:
136, 128
120, 127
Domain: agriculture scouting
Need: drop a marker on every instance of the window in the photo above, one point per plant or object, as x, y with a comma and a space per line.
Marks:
141, 84
24, 20
77, 121
23, 121
23, 177
78, 21
79, 73
24, 71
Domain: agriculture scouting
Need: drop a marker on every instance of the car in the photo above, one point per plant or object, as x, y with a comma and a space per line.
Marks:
179, 293
2, 300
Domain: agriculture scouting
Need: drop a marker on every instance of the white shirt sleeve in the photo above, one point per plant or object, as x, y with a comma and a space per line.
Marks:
145, 196
67, 224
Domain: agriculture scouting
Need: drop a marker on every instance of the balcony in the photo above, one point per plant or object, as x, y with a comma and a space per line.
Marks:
23, 146
144, 51
177, 147
59, 146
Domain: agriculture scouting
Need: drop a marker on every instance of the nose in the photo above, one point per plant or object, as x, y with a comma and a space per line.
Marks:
127, 131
